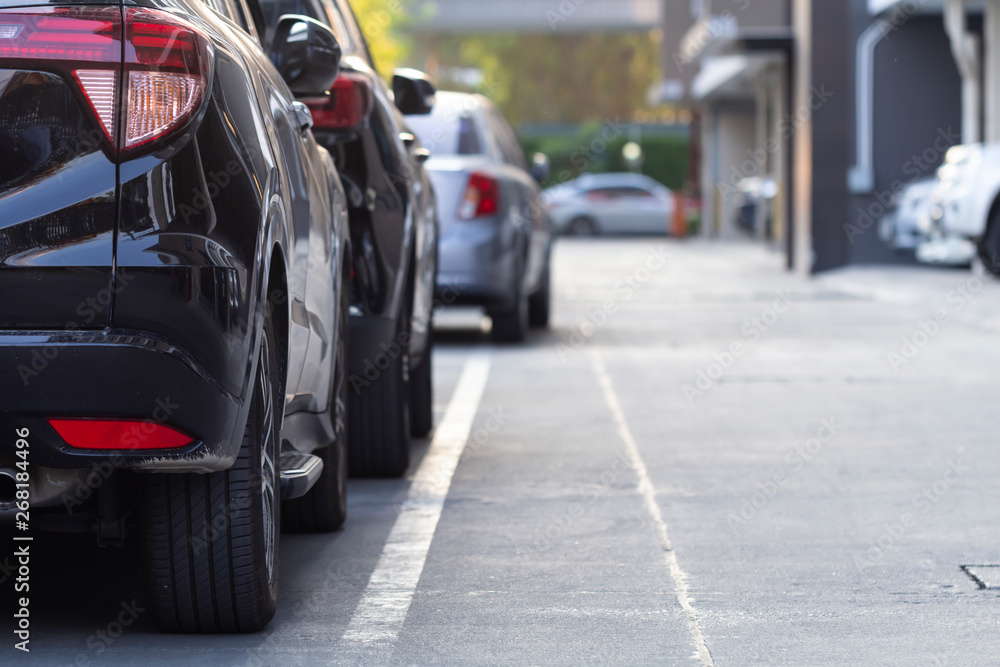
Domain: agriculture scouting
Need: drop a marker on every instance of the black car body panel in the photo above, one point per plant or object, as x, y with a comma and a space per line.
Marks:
142, 282
57, 206
391, 201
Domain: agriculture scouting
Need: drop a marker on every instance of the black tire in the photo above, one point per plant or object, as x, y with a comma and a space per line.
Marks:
324, 508
379, 415
511, 324
582, 226
989, 245
540, 303
422, 391
211, 541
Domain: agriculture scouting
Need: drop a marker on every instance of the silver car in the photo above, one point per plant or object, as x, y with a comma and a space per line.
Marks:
495, 239
611, 204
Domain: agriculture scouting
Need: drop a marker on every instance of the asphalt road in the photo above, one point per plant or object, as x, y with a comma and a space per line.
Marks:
706, 460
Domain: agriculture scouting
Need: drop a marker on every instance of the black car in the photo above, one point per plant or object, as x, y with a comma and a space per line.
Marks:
175, 271
394, 236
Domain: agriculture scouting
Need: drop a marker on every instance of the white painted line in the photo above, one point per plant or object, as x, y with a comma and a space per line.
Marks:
382, 611
649, 496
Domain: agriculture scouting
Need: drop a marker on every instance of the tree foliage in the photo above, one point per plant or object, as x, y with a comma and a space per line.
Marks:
559, 78
384, 23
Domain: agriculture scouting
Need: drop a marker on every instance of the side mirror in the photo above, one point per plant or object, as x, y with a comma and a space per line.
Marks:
540, 167
306, 54
415, 94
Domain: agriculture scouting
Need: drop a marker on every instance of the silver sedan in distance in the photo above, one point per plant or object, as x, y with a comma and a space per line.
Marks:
611, 204
495, 236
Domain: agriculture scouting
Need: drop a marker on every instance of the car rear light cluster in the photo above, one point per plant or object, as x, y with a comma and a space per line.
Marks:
349, 106
164, 62
118, 434
481, 199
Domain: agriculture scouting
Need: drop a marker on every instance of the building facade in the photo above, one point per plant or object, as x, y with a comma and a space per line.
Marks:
838, 104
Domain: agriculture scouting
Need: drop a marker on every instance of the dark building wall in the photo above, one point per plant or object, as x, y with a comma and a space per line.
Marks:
918, 115
833, 125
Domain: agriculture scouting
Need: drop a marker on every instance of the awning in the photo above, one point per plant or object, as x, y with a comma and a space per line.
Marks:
730, 76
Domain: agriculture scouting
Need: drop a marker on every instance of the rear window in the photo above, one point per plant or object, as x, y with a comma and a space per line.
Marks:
442, 135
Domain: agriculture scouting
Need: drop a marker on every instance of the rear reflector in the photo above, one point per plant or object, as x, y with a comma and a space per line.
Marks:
118, 434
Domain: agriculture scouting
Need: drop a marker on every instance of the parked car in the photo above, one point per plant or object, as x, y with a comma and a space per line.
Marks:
964, 224
394, 233
611, 204
496, 240
902, 226
175, 257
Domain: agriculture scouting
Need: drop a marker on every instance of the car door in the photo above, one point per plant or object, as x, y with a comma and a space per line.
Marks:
388, 192
529, 211
309, 218
603, 205
643, 212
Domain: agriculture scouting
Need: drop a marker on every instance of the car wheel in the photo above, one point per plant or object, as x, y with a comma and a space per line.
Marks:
540, 303
211, 541
379, 423
989, 245
511, 324
422, 388
582, 226
324, 508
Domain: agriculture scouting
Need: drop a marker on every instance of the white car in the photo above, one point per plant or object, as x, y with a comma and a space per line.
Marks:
964, 204
611, 204
902, 227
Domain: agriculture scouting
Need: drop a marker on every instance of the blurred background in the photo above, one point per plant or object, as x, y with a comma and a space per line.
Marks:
819, 128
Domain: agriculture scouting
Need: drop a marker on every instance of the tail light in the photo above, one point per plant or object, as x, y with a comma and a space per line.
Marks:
116, 434
481, 199
167, 64
350, 104
164, 62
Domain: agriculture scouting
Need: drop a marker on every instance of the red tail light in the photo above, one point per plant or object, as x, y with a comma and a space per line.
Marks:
165, 68
350, 104
167, 63
115, 434
482, 198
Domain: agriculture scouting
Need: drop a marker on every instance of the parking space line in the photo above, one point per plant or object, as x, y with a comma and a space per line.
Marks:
649, 496
380, 615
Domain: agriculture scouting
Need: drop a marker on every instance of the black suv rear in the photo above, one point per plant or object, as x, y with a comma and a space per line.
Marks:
174, 264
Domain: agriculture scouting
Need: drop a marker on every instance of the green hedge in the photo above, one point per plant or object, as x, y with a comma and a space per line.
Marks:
598, 150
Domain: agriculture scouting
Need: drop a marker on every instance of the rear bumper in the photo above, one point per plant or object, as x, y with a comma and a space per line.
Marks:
115, 374
477, 264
